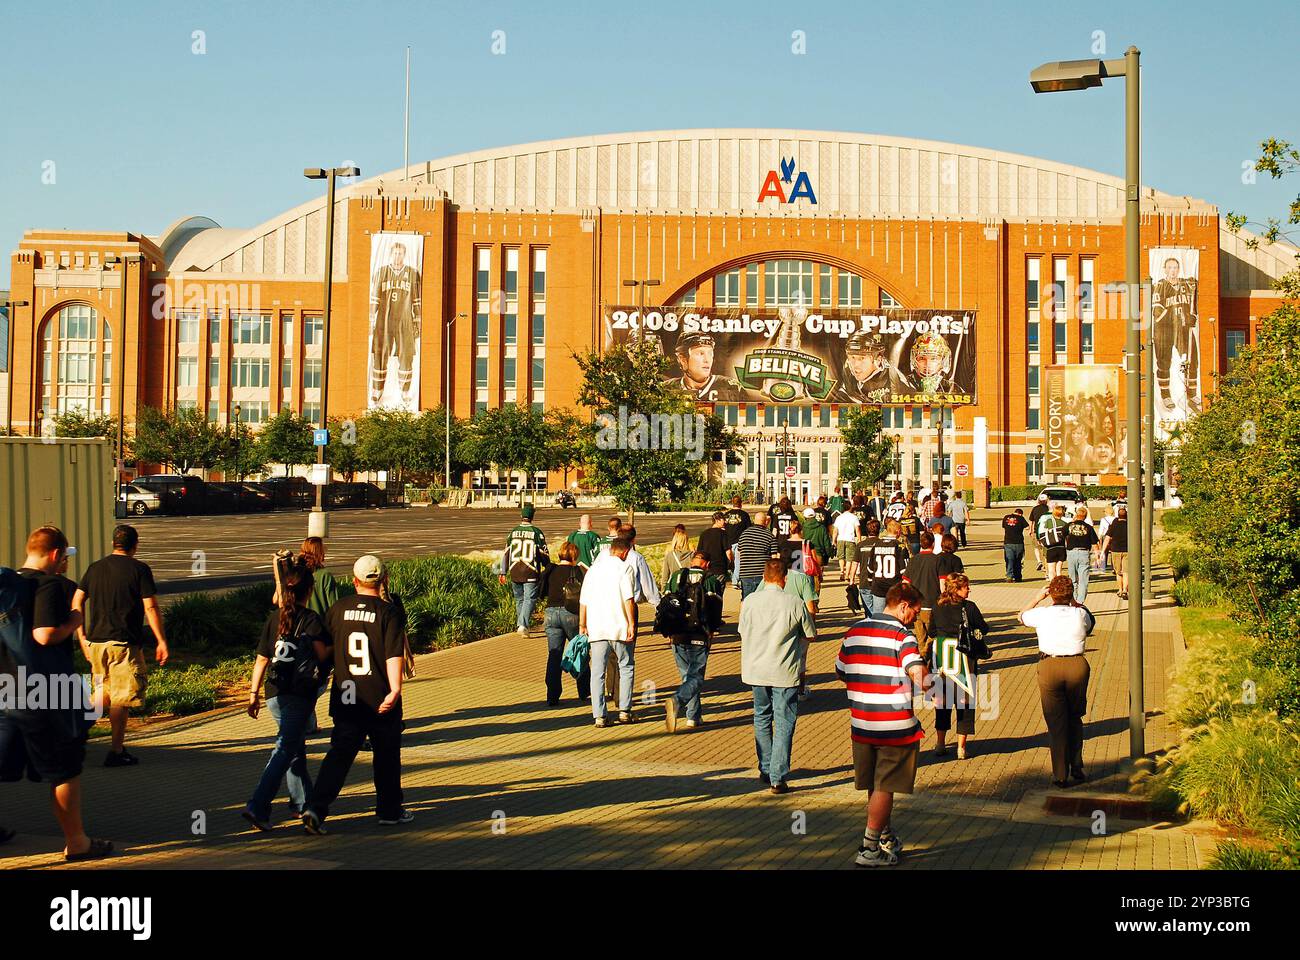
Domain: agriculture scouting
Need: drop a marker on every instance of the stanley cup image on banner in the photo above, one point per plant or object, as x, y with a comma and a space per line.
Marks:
1082, 406
1175, 336
796, 355
395, 279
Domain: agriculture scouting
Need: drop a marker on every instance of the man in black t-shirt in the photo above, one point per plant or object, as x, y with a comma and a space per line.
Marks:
49, 742
923, 573
882, 564
368, 637
117, 595
1080, 545
713, 543
1116, 543
1014, 526
821, 511
736, 522
783, 520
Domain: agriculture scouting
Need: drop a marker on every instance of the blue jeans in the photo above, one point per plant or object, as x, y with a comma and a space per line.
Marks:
691, 659
1078, 563
1014, 555
625, 654
561, 627
748, 585
775, 711
525, 600
288, 758
874, 603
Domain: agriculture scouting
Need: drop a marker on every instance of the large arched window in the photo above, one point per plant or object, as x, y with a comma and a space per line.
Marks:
787, 282
76, 362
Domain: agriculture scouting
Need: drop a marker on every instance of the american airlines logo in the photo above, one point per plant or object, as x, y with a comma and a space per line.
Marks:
774, 185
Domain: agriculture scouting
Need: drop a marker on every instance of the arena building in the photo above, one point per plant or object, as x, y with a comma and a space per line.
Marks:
511, 259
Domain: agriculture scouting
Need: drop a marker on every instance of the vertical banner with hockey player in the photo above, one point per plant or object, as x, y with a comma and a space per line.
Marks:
1175, 336
395, 278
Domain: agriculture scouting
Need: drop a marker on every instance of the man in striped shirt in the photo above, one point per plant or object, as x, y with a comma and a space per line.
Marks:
752, 551
880, 664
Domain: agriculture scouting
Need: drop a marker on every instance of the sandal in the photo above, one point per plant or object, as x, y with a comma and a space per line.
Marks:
97, 850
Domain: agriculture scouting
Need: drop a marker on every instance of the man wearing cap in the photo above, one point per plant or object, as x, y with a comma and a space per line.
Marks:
368, 638
866, 371
1040, 509
524, 559
695, 357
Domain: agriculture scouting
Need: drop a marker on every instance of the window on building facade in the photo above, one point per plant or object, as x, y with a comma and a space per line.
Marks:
311, 412
1087, 309
726, 289
311, 373
1031, 419
887, 300
214, 327
77, 346
539, 374
850, 290
510, 300
252, 328
254, 412
751, 285
539, 298
187, 326
214, 372
788, 283
313, 331
1234, 342
1032, 379
251, 372
1060, 308
187, 371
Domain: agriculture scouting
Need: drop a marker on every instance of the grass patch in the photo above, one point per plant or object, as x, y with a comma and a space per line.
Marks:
183, 690
1235, 855
1192, 591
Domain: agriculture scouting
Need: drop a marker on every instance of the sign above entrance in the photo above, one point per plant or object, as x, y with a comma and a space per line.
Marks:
796, 355
776, 186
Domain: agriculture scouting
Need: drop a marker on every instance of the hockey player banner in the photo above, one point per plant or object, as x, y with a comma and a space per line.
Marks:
1175, 336
1081, 406
395, 280
798, 355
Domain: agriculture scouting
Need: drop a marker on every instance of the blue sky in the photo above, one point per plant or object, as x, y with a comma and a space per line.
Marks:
142, 130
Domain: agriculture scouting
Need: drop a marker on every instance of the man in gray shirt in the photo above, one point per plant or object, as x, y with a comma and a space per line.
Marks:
773, 625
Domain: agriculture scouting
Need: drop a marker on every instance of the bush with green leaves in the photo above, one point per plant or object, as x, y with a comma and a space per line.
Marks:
1030, 491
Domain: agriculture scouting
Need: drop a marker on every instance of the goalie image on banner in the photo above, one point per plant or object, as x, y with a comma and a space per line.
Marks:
1081, 406
1175, 336
395, 279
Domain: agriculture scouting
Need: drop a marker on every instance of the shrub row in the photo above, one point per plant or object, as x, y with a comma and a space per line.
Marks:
1091, 491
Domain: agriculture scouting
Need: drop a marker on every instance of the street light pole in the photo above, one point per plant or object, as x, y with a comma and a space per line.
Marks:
317, 523
446, 394
1080, 75
1148, 464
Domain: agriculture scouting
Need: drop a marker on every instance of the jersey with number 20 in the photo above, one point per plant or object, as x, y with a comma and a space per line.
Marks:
366, 633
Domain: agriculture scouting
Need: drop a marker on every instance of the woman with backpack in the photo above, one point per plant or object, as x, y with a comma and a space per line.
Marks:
561, 585
677, 555
292, 658
958, 628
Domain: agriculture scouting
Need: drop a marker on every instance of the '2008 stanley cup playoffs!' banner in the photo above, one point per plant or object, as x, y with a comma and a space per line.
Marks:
1082, 418
796, 355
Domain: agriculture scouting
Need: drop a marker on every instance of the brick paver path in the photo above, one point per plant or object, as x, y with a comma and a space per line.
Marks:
497, 779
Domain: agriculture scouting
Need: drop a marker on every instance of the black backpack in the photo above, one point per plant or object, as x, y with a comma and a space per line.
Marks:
573, 590
304, 675
683, 610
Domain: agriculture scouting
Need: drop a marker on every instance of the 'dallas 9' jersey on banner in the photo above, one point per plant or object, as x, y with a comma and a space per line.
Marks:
798, 355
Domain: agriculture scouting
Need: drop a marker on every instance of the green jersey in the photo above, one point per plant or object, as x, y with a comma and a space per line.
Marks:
526, 553
588, 543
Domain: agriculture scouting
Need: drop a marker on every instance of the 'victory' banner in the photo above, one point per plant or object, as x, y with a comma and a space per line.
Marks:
797, 355
1081, 406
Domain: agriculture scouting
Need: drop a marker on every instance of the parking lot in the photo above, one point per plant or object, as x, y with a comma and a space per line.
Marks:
237, 546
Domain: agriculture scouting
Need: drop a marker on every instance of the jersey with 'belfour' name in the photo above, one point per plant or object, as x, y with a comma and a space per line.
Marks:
526, 553
366, 633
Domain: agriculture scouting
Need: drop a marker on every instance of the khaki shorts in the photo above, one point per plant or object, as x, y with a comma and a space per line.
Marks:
120, 668
1117, 561
847, 551
891, 769
921, 630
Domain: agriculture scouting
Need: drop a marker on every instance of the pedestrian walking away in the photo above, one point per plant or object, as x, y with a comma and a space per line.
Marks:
1081, 547
1014, 526
959, 629
959, 510
292, 657
607, 616
690, 615
116, 596
773, 626
845, 532
1051, 531
1063, 673
1040, 509
1116, 544
754, 548
562, 587
369, 643
678, 553
587, 541
881, 668
522, 562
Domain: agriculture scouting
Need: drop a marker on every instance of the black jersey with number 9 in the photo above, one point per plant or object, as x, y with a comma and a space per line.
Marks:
366, 633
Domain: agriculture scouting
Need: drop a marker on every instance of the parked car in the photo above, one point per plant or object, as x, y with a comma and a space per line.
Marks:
253, 497
140, 501
177, 492
289, 491
1065, 495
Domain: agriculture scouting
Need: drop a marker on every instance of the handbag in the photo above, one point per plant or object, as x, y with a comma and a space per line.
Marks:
576, 653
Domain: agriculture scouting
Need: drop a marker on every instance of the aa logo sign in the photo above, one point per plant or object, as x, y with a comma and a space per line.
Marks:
774, 185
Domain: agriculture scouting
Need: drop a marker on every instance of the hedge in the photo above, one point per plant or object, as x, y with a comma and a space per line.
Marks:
1091, 491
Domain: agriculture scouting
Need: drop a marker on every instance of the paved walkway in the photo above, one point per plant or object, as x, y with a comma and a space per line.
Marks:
497, 779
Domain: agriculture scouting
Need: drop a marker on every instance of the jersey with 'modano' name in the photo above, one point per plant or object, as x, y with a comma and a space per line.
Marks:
366, 633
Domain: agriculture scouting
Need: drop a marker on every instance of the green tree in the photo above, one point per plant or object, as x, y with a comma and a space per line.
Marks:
177, 438
868, 455
390, 440
241, 452
287, 439
77, 423
431, 429
514, 438
1277, 158
343, 452
631, 402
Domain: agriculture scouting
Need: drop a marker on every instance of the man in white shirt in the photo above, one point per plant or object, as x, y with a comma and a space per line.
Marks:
1063, 674
607, 615
845, 532
960, 513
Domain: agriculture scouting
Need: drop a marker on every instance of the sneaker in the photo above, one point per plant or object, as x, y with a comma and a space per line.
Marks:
122, 759
892, 842
876, 856
601, 722
691, 724
670, 714
255, 820
312, 823
780, 787
624, 717
940, 752
405, 816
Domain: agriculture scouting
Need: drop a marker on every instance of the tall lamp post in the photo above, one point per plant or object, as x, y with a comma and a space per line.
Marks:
120, 504
898, 462
1080, 75
317, 524
9, 362
446, 395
